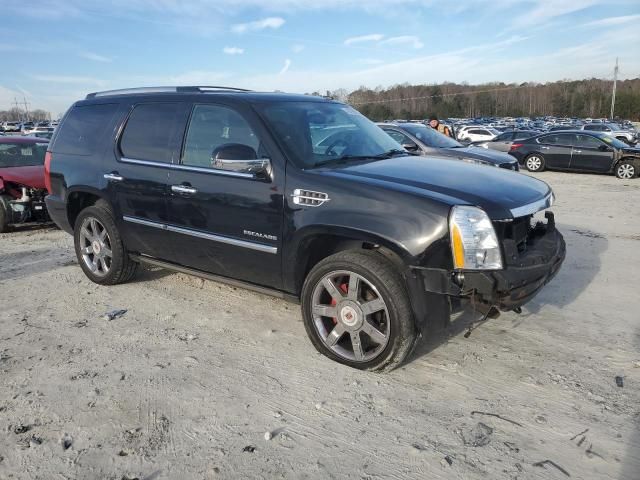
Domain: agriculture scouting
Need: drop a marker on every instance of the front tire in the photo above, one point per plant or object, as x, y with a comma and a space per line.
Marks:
534, 162
99, 247
626, 170
356, 311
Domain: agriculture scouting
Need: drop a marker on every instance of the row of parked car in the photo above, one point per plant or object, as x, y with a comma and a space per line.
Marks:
33, 129
486, 129
474, 133
585, 150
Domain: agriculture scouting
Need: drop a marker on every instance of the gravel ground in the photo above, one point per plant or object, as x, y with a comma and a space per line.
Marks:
200, 380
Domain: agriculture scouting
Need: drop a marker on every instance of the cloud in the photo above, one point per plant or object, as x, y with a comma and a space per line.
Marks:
285, 69
297, 48
374, 37
611, 21
257, 25
545, 10
233, 50
410, 40
95, 57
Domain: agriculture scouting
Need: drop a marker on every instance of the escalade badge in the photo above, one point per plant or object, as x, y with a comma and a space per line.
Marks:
260, 235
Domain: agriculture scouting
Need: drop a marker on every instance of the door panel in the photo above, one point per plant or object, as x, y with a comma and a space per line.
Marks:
556, 149
588, 156
140, 171
223, 222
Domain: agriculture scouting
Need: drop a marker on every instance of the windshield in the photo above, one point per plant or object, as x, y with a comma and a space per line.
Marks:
22, 154
314, 133
431, 137
614, 142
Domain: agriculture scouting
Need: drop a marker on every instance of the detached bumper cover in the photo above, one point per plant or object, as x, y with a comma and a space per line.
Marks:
525, 274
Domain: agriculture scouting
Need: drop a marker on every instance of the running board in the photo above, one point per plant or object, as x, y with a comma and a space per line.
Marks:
215, 278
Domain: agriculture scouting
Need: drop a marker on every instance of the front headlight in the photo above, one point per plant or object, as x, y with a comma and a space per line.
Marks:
474, 243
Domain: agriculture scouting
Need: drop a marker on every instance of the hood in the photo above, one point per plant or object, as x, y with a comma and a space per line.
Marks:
496, 190
31, 176
484, 154
635, 151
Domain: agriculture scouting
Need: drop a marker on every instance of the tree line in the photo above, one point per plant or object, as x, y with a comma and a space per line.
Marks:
580, 98
19, 115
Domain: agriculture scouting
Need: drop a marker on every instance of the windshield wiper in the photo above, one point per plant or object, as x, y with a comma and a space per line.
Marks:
348, 158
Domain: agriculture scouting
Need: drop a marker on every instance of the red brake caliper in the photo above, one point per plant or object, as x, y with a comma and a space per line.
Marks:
345, 289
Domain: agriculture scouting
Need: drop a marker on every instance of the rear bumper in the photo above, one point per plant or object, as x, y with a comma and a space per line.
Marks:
507, 289
57, 209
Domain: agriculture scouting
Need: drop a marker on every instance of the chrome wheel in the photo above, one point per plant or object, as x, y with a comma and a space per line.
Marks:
626, 171
534, 163
350, 316
95, 246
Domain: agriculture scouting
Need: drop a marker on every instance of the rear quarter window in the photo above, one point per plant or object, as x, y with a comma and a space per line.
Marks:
83, 129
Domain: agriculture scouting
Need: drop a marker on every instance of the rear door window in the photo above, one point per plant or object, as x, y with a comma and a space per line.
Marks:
153, 132
566, 139
83, 129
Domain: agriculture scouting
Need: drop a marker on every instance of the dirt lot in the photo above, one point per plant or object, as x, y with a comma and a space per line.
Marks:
189, 380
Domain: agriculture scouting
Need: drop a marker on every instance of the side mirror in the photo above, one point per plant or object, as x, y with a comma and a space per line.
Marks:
240, 159
410, 147
604, 148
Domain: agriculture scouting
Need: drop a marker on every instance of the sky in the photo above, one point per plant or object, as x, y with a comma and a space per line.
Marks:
54, 52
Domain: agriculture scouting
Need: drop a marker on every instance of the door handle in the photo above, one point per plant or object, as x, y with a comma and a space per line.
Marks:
183, 189
544, 148
113, 177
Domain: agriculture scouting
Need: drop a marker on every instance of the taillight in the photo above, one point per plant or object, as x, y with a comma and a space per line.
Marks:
47, 171
515, 146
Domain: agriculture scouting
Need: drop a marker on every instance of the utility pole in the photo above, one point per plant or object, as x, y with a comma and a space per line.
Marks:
613, 95
17, 105
26, 107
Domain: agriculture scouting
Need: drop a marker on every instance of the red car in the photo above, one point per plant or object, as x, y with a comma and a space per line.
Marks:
22, 185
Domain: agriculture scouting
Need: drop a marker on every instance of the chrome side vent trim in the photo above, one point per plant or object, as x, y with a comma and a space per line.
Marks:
309, 198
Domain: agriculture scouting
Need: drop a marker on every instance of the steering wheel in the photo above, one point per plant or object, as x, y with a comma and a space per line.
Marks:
336, 143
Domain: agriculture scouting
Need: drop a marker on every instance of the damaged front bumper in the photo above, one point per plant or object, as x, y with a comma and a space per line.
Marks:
525, 273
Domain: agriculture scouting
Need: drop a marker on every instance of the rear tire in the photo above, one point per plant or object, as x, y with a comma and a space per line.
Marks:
626, 170
534, 162
4, 213
366, 322
99, 247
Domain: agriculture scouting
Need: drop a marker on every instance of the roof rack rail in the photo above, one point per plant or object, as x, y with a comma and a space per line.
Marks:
186, 89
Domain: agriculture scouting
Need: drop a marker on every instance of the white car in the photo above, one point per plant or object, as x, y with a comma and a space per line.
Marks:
478, 134
11, 126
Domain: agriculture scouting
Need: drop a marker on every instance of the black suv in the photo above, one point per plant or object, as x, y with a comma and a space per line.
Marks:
301, 197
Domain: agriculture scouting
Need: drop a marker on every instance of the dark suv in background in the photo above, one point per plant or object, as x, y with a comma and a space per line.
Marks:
300, 197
